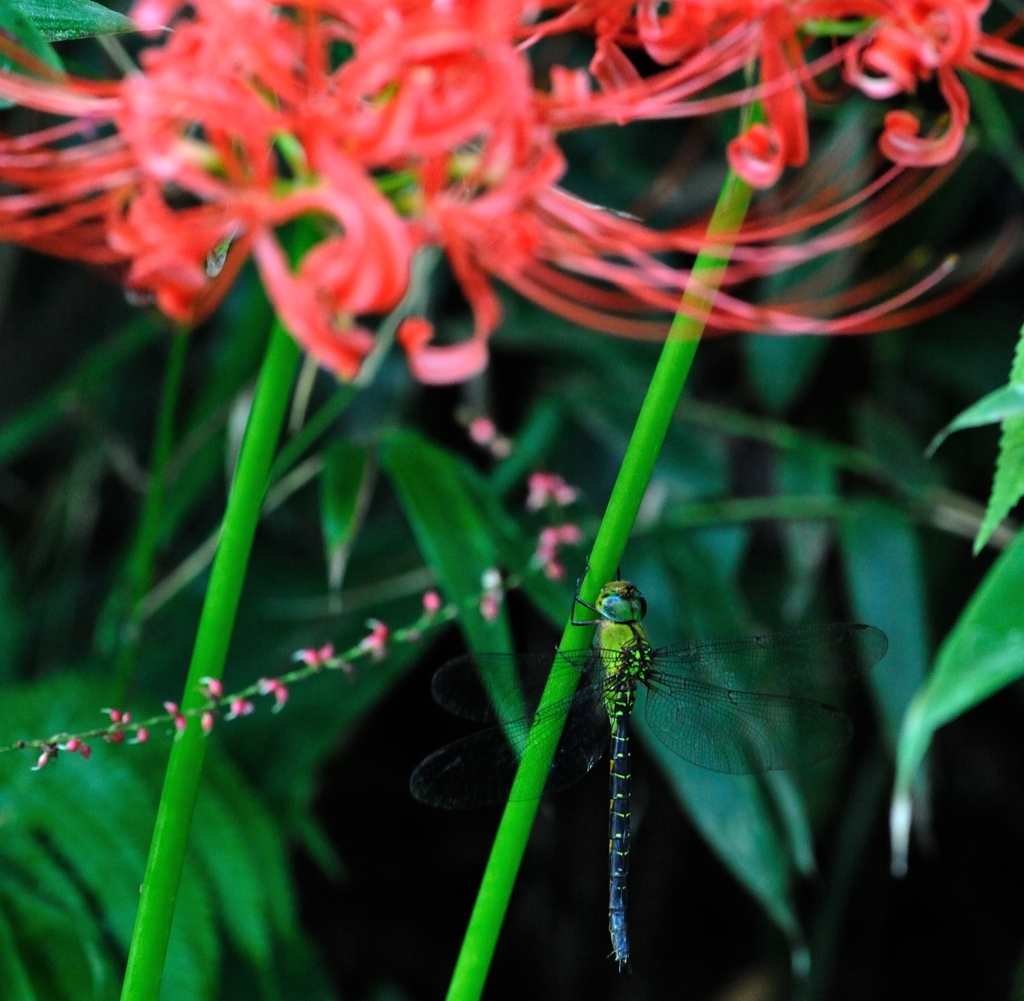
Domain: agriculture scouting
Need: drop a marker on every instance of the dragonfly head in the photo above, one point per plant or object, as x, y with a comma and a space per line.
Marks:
621, 601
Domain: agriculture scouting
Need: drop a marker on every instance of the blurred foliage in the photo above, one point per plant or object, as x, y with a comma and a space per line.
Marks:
793, 489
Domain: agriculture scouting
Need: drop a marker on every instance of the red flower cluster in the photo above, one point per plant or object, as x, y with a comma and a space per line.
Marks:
391, 124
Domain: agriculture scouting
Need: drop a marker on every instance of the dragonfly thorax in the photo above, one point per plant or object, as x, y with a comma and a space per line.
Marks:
625, 667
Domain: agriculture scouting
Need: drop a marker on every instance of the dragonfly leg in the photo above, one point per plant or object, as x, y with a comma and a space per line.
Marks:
577, 600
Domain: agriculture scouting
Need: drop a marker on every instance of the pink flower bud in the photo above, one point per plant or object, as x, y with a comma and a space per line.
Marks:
271, 686
114, 714
212, 688
141, 736
44, 759
206, 721
547, 488
554, 570
431, 603
314, 658
85, 750
490, 606
114, 738
239, 707
179, 720
72, 745
376, 643
482, 430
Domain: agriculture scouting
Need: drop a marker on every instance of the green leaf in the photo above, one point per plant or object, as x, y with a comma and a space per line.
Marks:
12, 626
15, 983
58, 20
780, 368
996, 126
452, 531
1008, 482
982, 653
54, 927
807, 542
882, 559
346, 486
736, 818
245, 861
1007, 401
77, 837
22, 29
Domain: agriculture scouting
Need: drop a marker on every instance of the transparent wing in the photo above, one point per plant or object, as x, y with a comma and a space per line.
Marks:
479, 770
491, 686
804, 663
727, 730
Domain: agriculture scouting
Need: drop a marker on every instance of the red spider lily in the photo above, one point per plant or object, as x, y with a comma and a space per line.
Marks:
431, 130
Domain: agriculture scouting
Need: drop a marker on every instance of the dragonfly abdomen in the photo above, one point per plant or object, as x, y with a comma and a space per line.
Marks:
618, 839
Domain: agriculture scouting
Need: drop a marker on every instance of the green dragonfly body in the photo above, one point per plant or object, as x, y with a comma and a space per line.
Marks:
734, 705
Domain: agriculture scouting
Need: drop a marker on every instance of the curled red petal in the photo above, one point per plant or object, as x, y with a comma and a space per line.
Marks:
901, 143
303, 312
440, 365
756, 156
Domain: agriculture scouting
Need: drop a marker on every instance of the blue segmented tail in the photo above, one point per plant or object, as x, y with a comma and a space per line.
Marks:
618, 840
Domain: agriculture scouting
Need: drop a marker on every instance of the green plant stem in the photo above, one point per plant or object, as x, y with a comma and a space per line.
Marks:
637, 465
140, 562
181, 784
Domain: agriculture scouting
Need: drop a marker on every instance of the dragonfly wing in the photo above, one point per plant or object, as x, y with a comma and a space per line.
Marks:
479, 770
806, 663
491, 686
727, 730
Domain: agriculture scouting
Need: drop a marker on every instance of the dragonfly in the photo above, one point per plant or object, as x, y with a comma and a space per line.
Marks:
745, 705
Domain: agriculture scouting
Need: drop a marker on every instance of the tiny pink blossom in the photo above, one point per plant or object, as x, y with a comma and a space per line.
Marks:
85, 750
431, 603
376, 643
212, 688
179, 720
206, 721
114, 738
72, 745
490, 606
239, 707
554, 570
549, 488
490, 600
141, 736
548, 541
44, 758
482, 430
271, 686
114, 714
314, 658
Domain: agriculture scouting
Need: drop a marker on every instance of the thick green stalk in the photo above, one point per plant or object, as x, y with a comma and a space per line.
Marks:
139, 575
637, 465
184, 769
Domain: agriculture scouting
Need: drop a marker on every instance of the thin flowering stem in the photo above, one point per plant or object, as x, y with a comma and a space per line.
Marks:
181, 784
215, 702
652, 424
